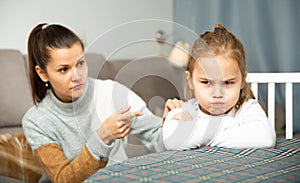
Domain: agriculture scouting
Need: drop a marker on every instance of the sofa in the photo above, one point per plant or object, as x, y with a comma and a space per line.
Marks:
154, 79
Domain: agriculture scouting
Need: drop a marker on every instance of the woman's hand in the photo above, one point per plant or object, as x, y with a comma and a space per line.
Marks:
171, 104
117, 125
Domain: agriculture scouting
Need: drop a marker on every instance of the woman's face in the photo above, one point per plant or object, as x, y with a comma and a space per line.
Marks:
216, 82
66, 72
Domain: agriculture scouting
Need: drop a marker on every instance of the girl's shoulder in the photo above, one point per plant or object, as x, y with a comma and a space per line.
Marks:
250, 106
250, 103
192, 101
191, 105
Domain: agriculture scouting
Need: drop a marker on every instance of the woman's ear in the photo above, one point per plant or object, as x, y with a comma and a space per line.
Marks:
189, 79
42, 73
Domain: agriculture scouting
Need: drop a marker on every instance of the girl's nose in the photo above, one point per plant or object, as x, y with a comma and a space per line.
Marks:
218, 91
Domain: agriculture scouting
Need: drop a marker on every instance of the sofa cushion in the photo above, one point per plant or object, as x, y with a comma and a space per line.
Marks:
15, 89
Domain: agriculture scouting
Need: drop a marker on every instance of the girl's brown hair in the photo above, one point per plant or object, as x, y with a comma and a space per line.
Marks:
41, 40
220, 42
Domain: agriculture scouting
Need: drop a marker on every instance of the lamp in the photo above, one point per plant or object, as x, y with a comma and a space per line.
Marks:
179, 55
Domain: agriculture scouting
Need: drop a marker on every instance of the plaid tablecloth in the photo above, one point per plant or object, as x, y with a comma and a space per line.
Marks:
210, 164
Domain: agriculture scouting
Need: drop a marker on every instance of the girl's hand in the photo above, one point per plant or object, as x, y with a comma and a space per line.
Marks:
171, 104
183, 116
117, 125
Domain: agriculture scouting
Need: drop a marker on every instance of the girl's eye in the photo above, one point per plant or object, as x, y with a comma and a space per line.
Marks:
206, 82
228, 83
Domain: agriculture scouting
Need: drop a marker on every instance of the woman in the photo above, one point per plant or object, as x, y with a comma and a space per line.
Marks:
77, 123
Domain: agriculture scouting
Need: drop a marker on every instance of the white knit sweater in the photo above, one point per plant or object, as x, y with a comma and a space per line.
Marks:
248, 127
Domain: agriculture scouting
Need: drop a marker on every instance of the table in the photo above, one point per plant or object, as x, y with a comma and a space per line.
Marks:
210, 164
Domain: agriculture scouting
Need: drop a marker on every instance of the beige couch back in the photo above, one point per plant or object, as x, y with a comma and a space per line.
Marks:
15, 90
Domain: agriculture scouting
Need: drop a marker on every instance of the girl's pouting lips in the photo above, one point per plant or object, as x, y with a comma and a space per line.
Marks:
218, 104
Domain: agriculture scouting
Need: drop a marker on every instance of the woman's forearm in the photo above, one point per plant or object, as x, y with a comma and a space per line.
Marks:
60, 169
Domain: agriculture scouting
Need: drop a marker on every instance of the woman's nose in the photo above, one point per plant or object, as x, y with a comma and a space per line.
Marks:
75, 75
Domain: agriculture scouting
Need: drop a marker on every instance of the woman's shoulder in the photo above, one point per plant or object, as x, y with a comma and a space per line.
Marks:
40, 111
108, 85
105, 82
33, 115
31, 111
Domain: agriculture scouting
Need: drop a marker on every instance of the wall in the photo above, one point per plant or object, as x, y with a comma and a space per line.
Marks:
89, 19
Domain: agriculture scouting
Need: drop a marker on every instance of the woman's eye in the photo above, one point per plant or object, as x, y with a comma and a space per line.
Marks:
81, 63
62, 70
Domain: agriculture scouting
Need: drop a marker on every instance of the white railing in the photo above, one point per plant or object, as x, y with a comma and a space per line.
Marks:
271, 79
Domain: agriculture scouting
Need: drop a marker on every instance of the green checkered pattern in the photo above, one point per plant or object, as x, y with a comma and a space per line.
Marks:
210, 164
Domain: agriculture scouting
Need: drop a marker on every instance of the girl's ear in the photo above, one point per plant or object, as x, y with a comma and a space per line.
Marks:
189, 79
41, 72
244, 80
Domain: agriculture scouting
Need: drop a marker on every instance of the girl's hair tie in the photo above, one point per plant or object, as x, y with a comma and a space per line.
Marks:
218, 27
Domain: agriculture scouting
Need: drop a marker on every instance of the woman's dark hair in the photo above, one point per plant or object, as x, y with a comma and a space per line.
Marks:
220, 42
41, 40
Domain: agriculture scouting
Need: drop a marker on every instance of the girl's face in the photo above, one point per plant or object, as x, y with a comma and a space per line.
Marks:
66, 72
216, 82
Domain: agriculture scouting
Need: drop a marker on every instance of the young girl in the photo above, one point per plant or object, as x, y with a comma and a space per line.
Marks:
221, 109
77, 123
